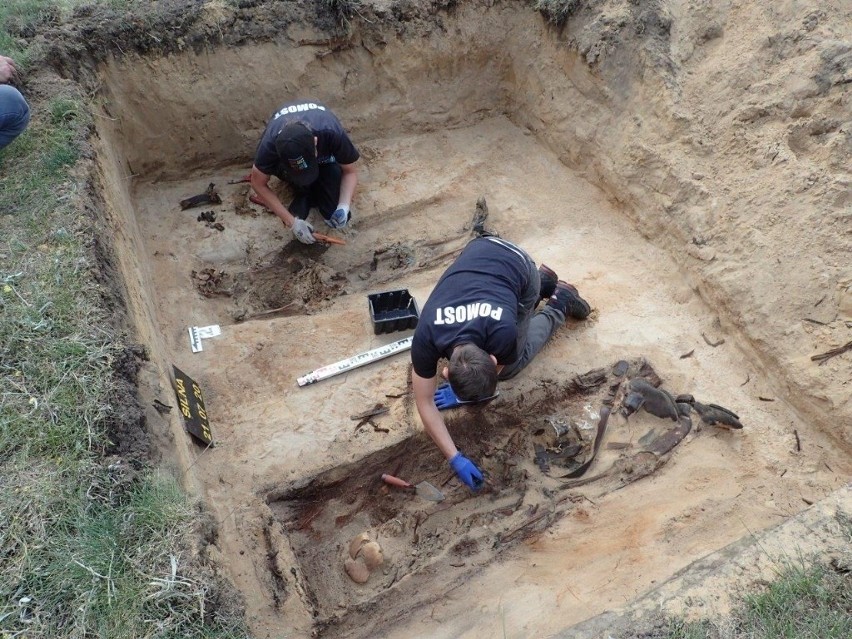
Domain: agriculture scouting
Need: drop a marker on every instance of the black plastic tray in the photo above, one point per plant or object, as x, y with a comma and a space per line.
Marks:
392, 311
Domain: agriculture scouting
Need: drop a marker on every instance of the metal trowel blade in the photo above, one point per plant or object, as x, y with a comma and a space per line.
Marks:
428, 491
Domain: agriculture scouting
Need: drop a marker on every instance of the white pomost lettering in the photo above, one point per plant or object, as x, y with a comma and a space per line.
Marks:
465, 313
296, 108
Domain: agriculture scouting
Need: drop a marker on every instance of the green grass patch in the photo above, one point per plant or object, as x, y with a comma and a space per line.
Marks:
111, 561
18, 16
89, 547
54, 362
806, 601
679, 629
19, 19
811, 602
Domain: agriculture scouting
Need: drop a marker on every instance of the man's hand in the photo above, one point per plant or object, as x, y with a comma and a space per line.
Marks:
466, 471
8, 71
303, 231
445, 397
340, 218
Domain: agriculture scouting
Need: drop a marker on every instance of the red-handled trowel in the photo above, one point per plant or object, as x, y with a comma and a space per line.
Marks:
424, 489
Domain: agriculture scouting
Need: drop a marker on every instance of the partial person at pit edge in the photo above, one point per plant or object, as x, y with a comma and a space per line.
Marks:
305, 145
481, 316
14, 110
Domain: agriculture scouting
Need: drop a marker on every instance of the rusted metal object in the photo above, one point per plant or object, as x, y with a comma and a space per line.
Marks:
210, 196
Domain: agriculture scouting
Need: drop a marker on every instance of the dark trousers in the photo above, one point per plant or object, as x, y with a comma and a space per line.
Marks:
14, 114
534, 328
323, 193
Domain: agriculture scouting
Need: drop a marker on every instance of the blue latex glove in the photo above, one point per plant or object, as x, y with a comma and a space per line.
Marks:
339, 218
445, 397
466, 471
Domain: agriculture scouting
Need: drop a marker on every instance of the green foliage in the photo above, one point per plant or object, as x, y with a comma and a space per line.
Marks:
809, 602
682, 630
88, 550
806, 601
17, 16
109, 561
54, 367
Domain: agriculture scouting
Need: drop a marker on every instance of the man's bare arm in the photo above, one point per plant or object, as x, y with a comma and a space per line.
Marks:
348, 183
260, 184
424, 398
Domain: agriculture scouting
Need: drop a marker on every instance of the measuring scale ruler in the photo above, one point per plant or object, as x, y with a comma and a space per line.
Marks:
356, 361
198, 333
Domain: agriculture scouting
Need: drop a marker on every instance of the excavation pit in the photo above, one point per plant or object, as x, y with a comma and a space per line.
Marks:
573, 159
430, 546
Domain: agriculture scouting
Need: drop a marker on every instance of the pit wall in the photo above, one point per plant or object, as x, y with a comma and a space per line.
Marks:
690, 115
167, 118
171, 446
197, 115
611, 104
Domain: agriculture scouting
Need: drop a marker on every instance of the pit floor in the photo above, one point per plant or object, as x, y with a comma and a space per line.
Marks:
420, 191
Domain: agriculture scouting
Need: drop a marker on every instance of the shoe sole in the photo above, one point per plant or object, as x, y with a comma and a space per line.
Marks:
573, 290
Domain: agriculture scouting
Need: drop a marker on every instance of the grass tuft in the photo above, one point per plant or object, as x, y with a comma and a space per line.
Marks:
811, 602
89, 547
806, 601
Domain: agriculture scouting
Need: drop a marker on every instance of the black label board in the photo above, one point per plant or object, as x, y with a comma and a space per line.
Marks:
191, 404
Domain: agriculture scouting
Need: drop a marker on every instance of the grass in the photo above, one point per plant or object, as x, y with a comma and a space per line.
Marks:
20, 16
809, 599
90, 546
805, 602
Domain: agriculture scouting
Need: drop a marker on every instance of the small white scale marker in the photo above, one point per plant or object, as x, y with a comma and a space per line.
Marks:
198, 333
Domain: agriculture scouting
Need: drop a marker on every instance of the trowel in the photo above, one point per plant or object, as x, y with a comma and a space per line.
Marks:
424, 489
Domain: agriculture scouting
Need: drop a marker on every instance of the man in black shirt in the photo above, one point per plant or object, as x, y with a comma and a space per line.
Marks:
480, 316
305, 145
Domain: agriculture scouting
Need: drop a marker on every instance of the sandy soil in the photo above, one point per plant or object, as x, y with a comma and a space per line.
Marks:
684, 163
274, 437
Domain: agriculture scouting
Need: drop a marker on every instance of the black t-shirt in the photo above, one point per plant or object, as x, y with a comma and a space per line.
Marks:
474, 302
333, 143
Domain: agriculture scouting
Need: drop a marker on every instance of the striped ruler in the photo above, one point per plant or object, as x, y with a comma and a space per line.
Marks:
350, 363
198, 333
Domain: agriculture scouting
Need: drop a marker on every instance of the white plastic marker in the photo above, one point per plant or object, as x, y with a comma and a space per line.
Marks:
361, 359
197, 333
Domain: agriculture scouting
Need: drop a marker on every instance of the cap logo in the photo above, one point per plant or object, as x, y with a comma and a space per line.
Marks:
298, 164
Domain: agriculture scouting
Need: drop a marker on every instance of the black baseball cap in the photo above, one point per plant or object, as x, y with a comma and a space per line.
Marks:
298, 153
